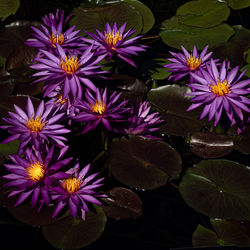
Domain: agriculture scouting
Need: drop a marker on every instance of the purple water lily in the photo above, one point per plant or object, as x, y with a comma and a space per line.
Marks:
35, 127
76, 191
33, 174
115, 41
52, 33
219, 90
68, 71
186, 63
100, 108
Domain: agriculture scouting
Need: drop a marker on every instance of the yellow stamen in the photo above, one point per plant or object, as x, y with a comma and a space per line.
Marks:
70, 65
36, 171
193, 63
111, 38
98, 107
58, 38
71, 184
220, 88
60, 99
35, 125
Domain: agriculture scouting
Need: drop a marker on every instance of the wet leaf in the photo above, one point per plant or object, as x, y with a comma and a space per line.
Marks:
238, 4
203, 13
242, 141
122, 203
218, 188
171, 102
69, 233
143, 163
175, 34
8, 7
97, 17
231, 233
211, 145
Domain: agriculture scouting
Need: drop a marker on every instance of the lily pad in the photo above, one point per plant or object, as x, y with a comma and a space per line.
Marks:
171, 102
122, 203
9, 148
203, 13
242, 141
8, 7
69, 233
97, 17
175, 34
238, 4
211, 145
231, 233
218, 188
143, 163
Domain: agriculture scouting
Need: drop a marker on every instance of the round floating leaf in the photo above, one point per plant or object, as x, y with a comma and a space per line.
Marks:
171, 102
6, 86
218, 188
122, 203
69, 233
31, 216
147, 15
230, 233
211, 145
204, 237
238, 4
9, 148
175, 34
120, 12
8, 7
143, 163
203, 13
242, 141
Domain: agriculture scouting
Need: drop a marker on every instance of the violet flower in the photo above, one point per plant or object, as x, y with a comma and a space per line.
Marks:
116, 41
32, 175
100, 108
219, 90
35, 127
76, 191
68, 71
186, 63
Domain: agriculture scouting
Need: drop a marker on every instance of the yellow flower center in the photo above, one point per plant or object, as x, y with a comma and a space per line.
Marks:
111, 38
220, 88
193, 63
35, 125
58, 38
98, 107
35, 171
70, 65
71, 184
60, 99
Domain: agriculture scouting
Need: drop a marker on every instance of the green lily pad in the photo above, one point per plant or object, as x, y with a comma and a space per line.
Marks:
122, 203
9, 148
218, 188
211, 145
203, 13
69, 233
238, 4
120, 12
8, 7
175, 34
231, 233
143, 163
171, 102
147, 15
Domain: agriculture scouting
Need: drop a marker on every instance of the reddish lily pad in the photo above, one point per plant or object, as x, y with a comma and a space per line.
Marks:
218, 188
143, 163
122, 203
69, 233
242, 141
171, 102
211, 145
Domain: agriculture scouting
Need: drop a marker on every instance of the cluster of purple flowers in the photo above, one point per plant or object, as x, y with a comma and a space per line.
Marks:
67, 64
214, 85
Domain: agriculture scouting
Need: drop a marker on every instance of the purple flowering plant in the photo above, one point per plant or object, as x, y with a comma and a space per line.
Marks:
97, 121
